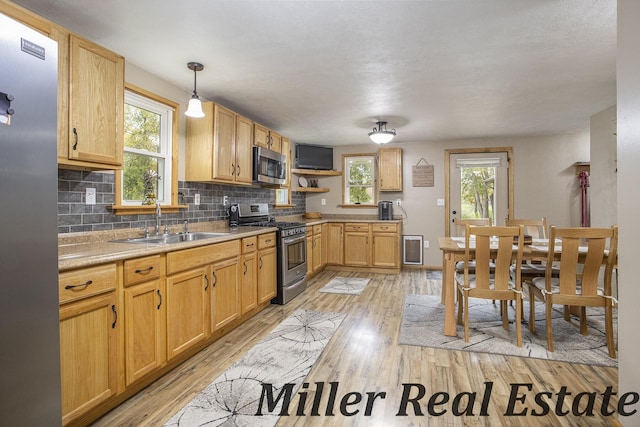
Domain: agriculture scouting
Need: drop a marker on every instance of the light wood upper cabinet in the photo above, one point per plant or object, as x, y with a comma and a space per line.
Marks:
275, 141
286, 150
390, 169
260, 135
96, 104
244, 150
264, 137
219, 146
224, 143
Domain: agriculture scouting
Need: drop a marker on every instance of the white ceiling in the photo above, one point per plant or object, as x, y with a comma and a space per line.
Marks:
324, 71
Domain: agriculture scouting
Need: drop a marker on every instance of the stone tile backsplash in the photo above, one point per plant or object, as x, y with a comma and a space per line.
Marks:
75, 216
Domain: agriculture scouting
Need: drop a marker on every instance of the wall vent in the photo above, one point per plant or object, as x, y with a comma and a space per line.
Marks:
412, 249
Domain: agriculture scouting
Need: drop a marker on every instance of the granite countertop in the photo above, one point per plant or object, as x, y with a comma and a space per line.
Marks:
76, 250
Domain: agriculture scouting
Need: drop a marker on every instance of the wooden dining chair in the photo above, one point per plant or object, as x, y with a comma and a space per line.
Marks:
495, 243
460, 227
582, 251
537, 229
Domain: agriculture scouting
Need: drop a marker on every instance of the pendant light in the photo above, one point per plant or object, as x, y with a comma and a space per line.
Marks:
381, 135
195, 106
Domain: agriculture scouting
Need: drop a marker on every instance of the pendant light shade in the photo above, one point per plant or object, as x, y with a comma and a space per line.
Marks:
381, 135
194, 109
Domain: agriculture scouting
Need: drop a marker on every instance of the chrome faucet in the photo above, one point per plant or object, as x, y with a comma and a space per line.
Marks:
158, 216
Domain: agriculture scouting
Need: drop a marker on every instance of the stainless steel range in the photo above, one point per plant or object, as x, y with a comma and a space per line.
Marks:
291, 248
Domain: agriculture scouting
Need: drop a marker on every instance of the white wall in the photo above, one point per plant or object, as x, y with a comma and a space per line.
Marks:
544, 179
628, 103
603, 176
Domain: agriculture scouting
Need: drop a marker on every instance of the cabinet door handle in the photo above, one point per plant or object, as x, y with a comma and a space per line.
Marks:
260, 263
160, 296
238, 170
233, 169
146, 270
82, 285
115, 317
207, 279
215, 280
245, 268
75, 139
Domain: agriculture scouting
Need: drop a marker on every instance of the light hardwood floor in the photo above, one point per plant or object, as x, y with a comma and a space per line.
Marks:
363, 356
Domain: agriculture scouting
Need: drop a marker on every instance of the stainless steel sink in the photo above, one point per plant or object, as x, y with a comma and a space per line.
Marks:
166, 239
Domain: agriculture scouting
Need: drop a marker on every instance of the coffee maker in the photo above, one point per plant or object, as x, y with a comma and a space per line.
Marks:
234, 215
385, 210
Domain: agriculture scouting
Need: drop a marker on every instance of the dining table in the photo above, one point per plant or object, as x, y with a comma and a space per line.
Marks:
453, 251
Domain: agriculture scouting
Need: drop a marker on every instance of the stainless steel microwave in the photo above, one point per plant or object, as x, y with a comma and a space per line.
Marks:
269, 167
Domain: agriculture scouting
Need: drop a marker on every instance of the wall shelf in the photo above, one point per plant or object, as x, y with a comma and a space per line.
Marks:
312, 189
316, 172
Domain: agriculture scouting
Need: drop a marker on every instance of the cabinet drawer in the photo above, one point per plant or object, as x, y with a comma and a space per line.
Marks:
266, 240
249, 244
141, 269
195, 257
356, 227
384, 228
317, 229
78, 284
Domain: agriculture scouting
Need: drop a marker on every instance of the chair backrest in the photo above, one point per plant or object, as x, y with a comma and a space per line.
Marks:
493, 243
460, 225
536, 228
587, 247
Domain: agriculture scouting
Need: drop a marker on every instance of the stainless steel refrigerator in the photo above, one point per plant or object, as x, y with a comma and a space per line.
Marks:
29, 326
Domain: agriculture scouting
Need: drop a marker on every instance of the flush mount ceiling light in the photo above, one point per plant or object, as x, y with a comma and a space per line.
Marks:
381, 135
195, 106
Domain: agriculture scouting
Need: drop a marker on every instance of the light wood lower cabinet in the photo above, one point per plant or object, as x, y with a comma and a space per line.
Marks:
144, 329
187, 302
386, 245
374, 244
89, 331
314, 250
267, 267
248, 274
123, 323
357, 251
225, 293
335, 243
144, 314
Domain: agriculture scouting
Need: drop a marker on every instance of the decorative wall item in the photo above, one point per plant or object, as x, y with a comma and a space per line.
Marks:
422, 175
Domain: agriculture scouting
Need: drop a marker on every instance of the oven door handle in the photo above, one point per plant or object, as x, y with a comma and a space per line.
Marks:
295, 239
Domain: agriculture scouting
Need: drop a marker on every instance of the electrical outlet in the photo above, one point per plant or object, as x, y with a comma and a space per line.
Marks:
426, 244
196, 199
323, 202
398, 202
225, 200
90, 196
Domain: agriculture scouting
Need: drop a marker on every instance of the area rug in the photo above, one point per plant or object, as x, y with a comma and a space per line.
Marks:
345, 285
423, 325
284, 356
434, 274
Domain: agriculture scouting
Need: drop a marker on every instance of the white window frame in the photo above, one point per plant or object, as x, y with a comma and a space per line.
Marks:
166, 140
346, 158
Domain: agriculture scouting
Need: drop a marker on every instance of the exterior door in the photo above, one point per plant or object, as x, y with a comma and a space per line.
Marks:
479, 185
